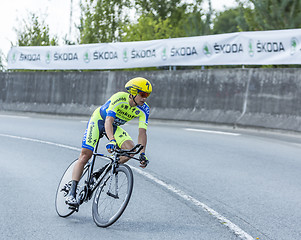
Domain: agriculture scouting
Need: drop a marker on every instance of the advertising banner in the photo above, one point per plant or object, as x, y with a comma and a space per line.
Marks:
241, 48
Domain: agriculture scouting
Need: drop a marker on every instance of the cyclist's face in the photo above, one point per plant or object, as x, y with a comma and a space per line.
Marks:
140, 100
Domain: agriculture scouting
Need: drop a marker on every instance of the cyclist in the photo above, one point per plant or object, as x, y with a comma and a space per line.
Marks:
119, 109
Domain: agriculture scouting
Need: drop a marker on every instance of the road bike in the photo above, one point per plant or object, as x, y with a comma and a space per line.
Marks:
112, 184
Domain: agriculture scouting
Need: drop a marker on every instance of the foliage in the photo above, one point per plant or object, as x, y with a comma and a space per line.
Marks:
112, 21
176, 19
2, 58
226, 21
66, 41
149, 28
109, 21
196, 23
35, 33
272, 14
103, 20
161, 9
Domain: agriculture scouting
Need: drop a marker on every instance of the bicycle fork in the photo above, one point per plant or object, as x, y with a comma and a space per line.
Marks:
109, 193
113, 174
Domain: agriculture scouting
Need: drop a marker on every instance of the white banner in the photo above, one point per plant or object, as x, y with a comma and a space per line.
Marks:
241, 48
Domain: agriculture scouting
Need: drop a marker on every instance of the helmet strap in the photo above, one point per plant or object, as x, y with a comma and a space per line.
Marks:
134, 100
133, 97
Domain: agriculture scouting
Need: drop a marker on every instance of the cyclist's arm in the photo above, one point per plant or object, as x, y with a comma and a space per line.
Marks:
143, 122
142, 138
109, 127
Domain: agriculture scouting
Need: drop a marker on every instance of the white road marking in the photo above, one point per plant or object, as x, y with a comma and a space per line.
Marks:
209, 131
233, 227
12, 116
41, 141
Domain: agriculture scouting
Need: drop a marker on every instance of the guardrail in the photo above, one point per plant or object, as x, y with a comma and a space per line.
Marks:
269, 98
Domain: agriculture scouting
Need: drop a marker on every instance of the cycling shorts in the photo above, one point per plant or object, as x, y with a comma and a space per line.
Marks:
95, 129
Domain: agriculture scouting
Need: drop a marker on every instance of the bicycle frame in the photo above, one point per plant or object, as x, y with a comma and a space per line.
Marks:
90, 186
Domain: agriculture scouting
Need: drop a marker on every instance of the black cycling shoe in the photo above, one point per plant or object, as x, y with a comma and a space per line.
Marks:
71, 201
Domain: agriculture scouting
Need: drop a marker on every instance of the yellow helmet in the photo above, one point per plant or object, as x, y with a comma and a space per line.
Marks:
139, 85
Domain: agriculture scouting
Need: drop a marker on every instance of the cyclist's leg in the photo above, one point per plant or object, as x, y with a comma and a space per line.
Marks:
124, 141
93, 131
84, 157
128, 144
91, 136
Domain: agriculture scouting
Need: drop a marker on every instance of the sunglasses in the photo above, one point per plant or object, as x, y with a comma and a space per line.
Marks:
144, 94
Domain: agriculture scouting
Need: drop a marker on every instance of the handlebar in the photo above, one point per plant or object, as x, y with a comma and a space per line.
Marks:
126, 152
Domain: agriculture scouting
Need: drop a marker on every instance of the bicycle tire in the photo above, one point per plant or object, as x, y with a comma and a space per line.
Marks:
61, 207
106, 209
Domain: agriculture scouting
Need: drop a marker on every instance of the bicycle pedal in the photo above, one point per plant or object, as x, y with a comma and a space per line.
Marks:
74, 208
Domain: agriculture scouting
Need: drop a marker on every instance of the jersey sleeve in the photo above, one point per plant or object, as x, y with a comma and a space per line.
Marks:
143, 116
114, 102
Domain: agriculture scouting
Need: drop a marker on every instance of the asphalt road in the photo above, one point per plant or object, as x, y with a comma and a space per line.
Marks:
204, 182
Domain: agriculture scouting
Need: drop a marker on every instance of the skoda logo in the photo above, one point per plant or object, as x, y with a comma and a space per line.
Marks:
13, 57
125, 55
294, 45
48, 57
87, 57
207, 49
251, 48
164, 53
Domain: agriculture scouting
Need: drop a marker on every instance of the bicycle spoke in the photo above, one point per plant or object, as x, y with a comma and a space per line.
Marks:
61, 207
107, 208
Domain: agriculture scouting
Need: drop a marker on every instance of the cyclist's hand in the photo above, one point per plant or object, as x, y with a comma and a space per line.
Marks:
143, 160
111, 145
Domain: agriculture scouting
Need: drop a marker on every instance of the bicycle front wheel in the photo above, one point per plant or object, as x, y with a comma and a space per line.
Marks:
112, 196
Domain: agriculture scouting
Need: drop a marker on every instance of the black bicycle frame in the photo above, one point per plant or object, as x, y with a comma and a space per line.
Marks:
113, 164
90, 166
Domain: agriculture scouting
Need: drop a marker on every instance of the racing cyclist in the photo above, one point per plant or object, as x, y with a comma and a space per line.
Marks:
119, 109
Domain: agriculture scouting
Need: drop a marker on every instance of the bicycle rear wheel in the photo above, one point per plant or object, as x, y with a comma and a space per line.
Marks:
62, 191
112, 196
